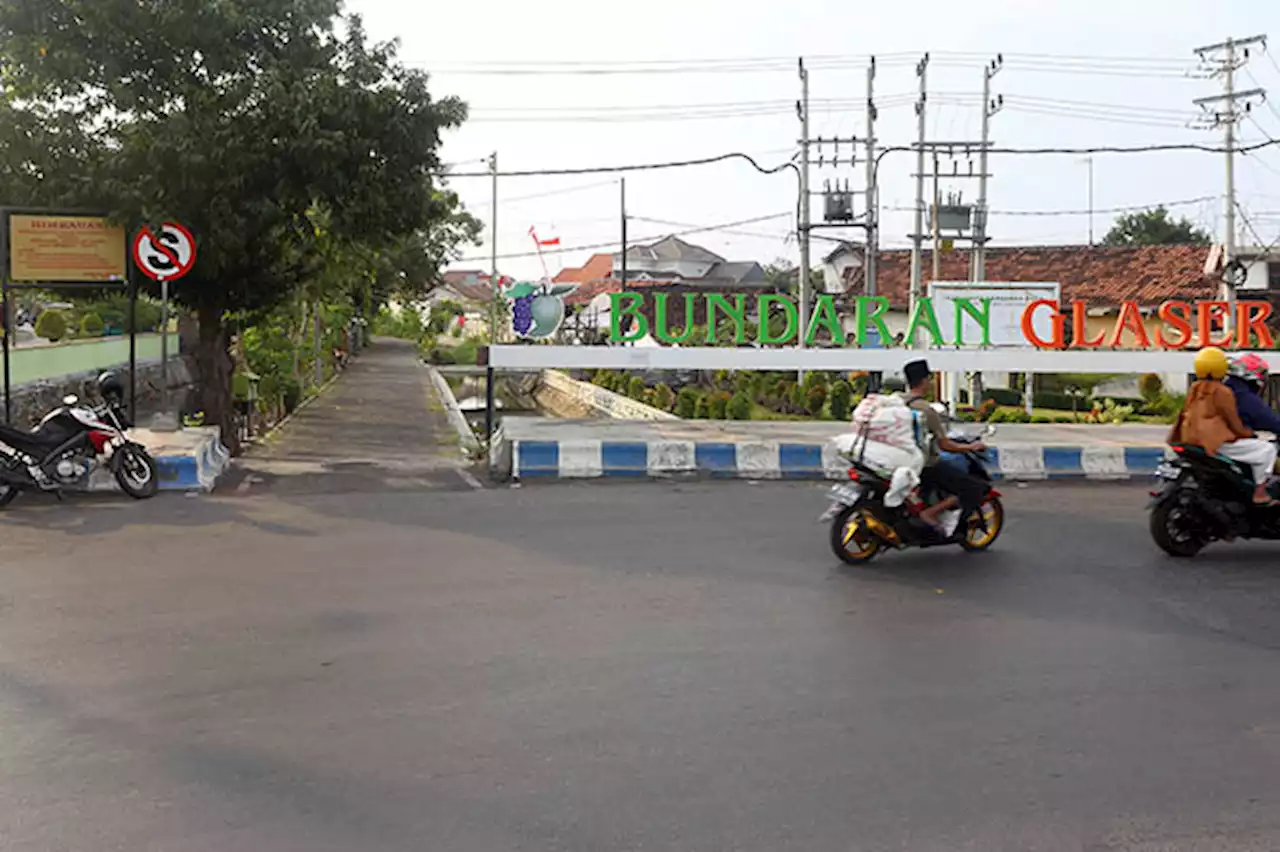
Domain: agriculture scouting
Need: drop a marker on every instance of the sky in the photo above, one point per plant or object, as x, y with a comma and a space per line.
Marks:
708, 77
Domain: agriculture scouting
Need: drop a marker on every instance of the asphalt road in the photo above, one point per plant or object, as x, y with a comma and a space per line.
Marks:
624, 667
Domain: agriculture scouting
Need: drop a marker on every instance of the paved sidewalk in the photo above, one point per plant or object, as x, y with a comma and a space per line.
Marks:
380, 427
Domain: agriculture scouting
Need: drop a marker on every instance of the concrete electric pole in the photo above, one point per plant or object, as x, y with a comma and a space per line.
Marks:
1224, 59
990, 106
917, 230
802, 108
493, 252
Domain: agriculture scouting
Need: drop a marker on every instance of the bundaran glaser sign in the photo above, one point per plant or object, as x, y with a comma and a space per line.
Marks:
967, 322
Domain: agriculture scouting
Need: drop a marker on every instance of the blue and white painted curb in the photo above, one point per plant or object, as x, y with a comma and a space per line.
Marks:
195, 471
774, 460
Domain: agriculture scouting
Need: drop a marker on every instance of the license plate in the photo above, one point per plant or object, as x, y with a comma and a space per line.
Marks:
1167, 471
846, 494
842, 496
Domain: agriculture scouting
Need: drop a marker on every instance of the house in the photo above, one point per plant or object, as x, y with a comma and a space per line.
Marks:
1261, 268
470, 287
839, 266
673, 259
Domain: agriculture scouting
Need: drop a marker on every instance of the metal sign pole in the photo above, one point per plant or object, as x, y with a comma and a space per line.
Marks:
164, 345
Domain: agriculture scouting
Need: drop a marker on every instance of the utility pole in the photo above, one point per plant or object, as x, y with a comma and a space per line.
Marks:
871, 255
933, 220
624, 233
1088, 161
802, 108
873, 204
493, 251
494, 291
917, 232
990, 106
1225, 59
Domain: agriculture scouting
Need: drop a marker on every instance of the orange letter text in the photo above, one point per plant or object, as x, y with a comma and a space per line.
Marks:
1029, 328
1252, 319
1210, 314
1131, 318
1176, 315
1079, 332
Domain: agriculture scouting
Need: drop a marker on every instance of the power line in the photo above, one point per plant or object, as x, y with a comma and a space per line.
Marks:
1103, 210
549, 193
613, 243
737, 155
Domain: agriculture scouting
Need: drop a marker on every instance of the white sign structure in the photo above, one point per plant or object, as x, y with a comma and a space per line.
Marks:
1008, 302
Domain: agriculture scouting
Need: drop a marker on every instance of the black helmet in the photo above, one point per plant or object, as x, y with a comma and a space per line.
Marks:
110, 387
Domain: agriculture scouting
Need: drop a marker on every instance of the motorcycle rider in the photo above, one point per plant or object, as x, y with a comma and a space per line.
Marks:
1211, 420
1246, 376
962, 490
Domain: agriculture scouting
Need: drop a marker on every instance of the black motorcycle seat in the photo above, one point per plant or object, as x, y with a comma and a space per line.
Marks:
34, 442
1198, 453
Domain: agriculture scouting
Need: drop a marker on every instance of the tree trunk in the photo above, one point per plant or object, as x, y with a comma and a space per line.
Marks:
216, 369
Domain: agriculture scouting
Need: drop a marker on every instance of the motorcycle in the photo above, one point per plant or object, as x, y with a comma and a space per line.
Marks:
70, 443
861, 525
1201, 498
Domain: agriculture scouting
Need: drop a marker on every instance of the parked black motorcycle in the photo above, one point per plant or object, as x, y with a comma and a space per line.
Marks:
70, 443
1201, 498
862, 525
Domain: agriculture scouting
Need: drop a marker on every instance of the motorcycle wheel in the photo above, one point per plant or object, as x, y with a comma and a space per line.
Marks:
1168, 533
976, 538
851, 539
136, 472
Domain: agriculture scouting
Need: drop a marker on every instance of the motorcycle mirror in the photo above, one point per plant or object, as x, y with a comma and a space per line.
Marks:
70, 399
990, 430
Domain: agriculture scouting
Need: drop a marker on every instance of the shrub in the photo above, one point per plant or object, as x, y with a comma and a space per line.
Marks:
663, 397
1041, 418
702, 410
1004, 396
984, 411
635, 388
796, 400
91, 325
1009, 415
51, 325
1150, 387
687, 402
1167, 406
816, 399
815, 379
465, 352
1054, 400
840, 400
722, 378
718, 405
739, 407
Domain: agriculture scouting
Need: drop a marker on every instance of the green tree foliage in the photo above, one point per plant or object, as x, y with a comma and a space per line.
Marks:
1150, 386
687, 403
91, 325
1153, 227
663, 397
815, 399
51, 325
635, 388
840, 400
702, 408
718, 405
300, 154
739, 407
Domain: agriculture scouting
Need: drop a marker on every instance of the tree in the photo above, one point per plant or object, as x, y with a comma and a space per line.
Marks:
51, 325
1154, 228
296, 151
91, 325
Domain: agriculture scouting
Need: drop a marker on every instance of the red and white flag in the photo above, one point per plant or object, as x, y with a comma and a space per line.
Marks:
554, 241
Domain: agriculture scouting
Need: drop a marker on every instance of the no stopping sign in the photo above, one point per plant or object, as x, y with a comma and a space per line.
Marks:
166, 254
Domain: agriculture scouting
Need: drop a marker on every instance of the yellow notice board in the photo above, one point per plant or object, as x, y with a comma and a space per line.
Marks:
65, 249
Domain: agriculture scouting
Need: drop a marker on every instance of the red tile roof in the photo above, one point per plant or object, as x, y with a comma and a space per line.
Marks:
598, 267
1102, 276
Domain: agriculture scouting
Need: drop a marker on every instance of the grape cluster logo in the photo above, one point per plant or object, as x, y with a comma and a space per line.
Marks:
537, 309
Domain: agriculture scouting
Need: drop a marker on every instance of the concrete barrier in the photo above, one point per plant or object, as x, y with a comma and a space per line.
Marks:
769, 460
598, 399
190, 460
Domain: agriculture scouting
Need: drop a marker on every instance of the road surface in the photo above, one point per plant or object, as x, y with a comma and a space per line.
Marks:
310, 666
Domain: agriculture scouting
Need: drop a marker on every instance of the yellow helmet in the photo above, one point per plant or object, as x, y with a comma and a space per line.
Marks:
1211, 363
